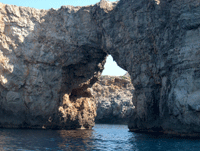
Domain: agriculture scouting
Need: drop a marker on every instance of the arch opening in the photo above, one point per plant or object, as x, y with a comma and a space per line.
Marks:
113, 95
112, 69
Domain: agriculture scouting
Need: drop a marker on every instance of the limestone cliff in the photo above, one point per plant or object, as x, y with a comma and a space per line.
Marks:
113, 96
158, 43
49, 59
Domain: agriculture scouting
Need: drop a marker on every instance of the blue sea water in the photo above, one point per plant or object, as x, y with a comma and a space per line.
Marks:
101, 138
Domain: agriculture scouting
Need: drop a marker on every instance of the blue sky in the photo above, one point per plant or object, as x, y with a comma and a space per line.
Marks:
111, 67
47, 4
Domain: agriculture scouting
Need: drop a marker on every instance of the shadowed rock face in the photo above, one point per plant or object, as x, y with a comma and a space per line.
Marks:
49, 58
158, 43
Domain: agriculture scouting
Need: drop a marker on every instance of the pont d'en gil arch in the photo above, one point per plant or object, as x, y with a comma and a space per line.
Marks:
49, 59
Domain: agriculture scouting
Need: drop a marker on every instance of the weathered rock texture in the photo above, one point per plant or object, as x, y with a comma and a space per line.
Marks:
48, 59
113, 95
158, 43
50, 54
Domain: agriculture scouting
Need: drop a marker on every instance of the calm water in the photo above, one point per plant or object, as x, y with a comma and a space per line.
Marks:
102, 137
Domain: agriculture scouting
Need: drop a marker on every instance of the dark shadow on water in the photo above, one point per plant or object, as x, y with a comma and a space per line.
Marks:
163, 142
160, 135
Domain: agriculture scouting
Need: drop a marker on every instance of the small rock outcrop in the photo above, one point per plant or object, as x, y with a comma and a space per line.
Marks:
113, 96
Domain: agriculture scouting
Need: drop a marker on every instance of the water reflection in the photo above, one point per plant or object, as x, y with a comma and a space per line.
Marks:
112, 137
102, 137
15, 139
76, 139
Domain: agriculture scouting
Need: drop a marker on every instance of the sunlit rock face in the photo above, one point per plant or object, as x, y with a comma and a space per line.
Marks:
49, 59
113, 96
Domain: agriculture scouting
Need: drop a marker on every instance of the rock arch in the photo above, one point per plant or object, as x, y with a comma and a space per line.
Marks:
47, 54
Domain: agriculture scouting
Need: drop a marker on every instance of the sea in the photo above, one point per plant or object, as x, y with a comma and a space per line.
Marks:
102, 137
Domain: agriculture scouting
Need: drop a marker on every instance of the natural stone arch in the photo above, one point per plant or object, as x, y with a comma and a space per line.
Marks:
152, 41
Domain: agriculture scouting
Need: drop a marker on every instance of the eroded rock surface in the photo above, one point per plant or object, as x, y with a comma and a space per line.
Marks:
113, 96
46, 54
158, 43
48, 59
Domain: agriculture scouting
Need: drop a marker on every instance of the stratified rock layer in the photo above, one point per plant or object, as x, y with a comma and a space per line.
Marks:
113, 95
49, 58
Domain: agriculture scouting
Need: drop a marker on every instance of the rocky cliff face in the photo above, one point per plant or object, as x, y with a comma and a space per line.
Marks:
49, 58
113, 96
158, 43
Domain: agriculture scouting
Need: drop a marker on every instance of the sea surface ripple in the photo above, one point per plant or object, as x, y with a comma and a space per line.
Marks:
102, 137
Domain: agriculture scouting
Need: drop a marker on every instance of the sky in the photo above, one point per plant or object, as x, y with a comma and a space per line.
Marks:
47, 4
111, 67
